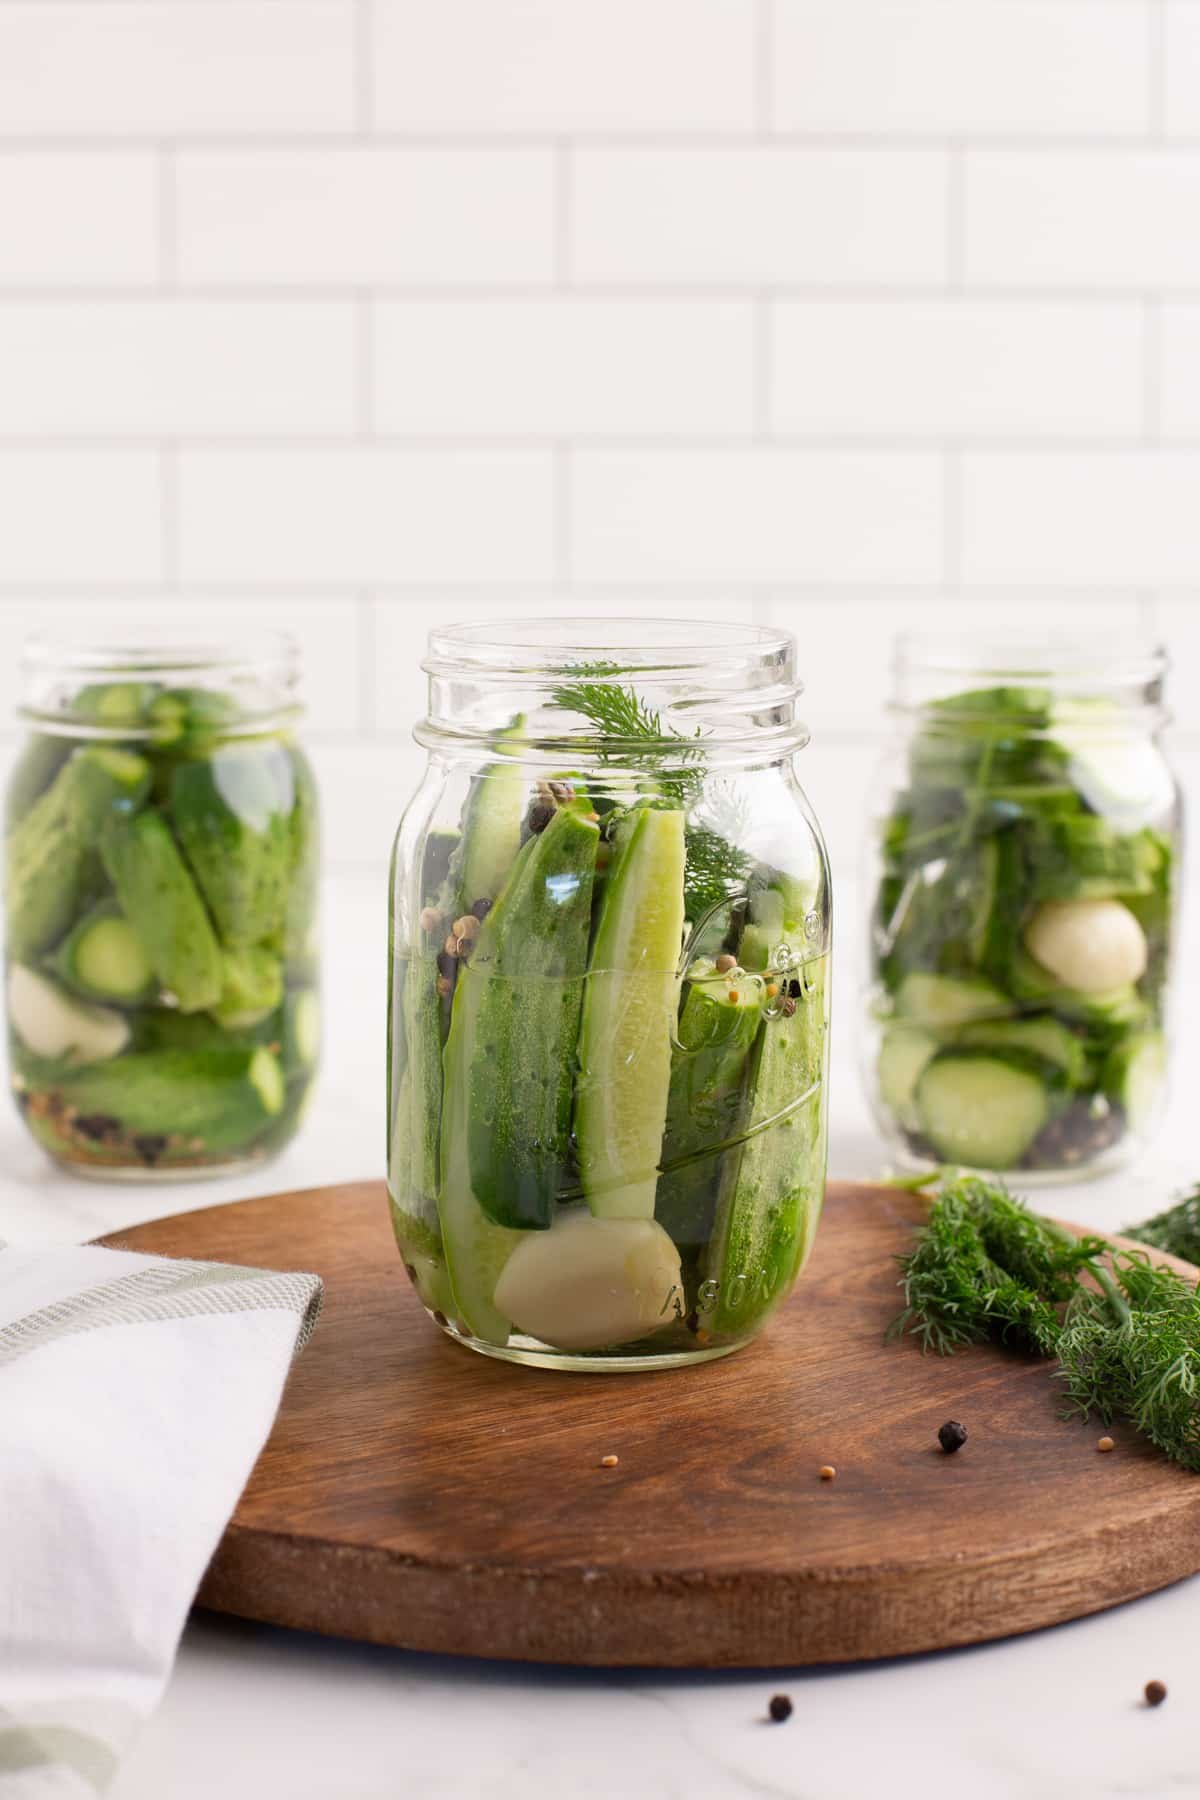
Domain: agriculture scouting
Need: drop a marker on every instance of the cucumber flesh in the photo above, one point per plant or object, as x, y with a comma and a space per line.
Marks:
981, 1110
904, 1051
629, 1012
102, 959
52, 1024
940, 1002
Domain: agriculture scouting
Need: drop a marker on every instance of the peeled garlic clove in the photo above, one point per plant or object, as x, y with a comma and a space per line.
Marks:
1091, 945
589, 1284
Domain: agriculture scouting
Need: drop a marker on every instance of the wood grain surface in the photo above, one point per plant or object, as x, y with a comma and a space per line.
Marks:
415, 1493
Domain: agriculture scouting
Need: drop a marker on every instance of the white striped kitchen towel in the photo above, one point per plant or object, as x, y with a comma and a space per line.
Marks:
135, 1396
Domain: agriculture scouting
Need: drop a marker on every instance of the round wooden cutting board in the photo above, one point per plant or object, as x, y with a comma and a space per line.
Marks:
414, 1493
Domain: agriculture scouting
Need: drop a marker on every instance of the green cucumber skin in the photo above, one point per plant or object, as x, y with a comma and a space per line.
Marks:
523, 987
66, 961
251, 987
772, 1191
205, 1095
232, 813
158, 897
303, 892
36, 767
49, 852
705, 1109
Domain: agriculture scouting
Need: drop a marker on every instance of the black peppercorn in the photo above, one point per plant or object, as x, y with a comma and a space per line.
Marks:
952, 1436
540, 815
1155, 1692
446, 964
482, 908
780, 1708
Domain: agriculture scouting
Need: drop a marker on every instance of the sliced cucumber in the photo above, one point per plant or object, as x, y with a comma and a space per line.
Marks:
1045, 1037
1134, 1074
52, 1024
522, 992
981, 1109
903, 1054
940, 1002
718, 1023
491, 828
102, 958
628, 1015
772, 1189
301, 1031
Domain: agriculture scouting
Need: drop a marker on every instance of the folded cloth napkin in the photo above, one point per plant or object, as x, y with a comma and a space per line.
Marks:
135, 1396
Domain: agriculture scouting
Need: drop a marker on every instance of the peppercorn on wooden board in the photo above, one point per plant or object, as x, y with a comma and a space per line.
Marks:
414, 1493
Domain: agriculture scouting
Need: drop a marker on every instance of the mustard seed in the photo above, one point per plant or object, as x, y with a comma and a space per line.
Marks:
1106, 1443
827, 1471
609, 1462
725, 962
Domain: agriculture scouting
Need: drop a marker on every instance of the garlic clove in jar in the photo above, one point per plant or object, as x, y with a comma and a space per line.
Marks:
1090, 945
590, 1284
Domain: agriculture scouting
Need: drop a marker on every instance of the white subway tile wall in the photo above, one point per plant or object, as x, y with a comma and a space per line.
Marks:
359, 315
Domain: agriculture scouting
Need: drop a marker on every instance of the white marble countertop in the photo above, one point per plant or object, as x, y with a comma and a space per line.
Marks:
255, 1712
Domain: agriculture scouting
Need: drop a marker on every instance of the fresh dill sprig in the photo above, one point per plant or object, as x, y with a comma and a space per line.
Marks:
1125, 1331
1177, 1230
628, 729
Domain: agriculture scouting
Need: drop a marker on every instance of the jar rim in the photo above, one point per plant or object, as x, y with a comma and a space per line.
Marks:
1120, 659
731, 684
124, 650
557, 645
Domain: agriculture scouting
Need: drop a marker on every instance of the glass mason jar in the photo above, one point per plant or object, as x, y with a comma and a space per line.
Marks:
1023, 877
161, 891
609, 993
